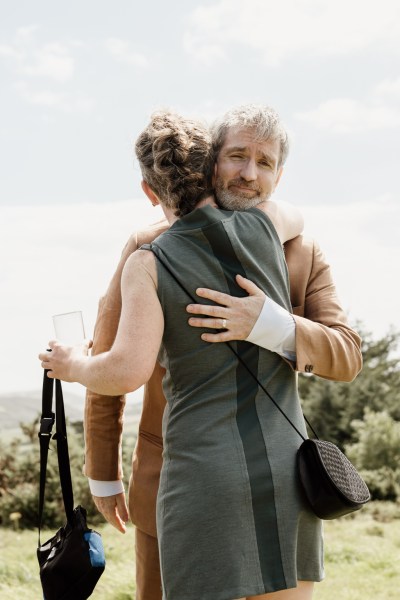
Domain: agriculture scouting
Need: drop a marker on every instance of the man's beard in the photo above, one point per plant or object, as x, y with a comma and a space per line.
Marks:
237, 201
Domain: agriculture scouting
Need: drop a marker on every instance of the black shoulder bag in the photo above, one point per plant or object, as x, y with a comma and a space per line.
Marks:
331, 483
72, 561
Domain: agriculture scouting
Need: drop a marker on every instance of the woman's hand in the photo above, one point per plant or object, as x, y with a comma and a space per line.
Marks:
62, 362
237, 316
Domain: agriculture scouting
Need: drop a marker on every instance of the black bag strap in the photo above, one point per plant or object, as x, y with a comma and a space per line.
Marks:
46, 427
47, 420
63, 454
156, 251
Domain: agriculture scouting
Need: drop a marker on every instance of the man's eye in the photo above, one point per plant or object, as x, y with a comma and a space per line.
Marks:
239, 156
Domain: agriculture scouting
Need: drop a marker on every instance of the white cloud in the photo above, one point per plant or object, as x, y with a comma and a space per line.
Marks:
280, 30
25, 34
209, 54
10, 51
43, 70
52, 60
346, 115
63, 101
123, 51
389, 87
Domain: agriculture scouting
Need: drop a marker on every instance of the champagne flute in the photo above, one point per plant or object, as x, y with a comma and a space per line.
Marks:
69, 328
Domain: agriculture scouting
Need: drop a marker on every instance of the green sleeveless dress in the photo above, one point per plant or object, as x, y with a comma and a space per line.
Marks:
231, 517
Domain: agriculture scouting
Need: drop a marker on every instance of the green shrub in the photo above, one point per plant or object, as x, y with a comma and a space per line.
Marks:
332, 406
19, 479
377, 453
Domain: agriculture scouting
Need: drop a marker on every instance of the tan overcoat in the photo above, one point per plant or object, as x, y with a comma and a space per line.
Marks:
325, 346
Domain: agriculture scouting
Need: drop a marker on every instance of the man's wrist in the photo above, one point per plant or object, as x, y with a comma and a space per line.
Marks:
275, 330
102, 489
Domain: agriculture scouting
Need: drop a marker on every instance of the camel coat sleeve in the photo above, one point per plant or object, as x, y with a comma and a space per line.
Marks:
325, 344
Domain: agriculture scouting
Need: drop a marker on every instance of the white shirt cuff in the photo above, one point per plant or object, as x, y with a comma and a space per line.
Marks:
275, 330
105, 488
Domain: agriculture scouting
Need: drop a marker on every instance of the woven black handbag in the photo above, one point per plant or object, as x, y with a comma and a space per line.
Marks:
332, 485
72, 561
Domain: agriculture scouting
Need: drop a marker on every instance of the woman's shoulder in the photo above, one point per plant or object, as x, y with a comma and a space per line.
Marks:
140, 265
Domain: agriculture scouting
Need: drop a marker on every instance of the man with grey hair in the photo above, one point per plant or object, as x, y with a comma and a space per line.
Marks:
263, 120
241, 129
251, 147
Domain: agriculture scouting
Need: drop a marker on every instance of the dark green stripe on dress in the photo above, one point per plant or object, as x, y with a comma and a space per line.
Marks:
259, 470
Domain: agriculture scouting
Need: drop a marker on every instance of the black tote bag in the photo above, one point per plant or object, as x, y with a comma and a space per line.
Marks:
72, 561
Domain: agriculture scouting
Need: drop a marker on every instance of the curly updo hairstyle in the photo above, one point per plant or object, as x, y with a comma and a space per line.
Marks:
176, 160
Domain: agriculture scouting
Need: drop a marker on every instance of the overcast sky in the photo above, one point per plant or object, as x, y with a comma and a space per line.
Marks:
78, 83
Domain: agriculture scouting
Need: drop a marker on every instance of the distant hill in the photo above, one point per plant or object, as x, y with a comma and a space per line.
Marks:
24, 407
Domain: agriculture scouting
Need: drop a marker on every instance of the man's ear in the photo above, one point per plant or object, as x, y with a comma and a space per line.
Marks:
152, 196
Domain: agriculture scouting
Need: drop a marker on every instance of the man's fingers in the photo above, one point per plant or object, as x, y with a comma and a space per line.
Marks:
218, 297
225, 336
249, 286
122, 508
115, 521
236, 315
208, 323
110, 507
210, 311
118, 523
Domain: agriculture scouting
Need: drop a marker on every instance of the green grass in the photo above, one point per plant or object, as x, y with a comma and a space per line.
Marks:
362, 559
19, 572
362, 556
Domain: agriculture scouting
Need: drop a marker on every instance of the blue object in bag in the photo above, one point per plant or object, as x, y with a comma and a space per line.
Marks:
96, 550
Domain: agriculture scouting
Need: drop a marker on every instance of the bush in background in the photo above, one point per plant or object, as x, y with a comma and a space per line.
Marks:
377, 453
331, 406
19, 479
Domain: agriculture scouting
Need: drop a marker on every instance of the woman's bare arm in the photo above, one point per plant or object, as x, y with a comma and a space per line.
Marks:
130, 362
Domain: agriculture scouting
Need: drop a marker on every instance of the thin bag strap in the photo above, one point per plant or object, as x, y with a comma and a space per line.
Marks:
45, 434
46, 427
156, 250
63, 454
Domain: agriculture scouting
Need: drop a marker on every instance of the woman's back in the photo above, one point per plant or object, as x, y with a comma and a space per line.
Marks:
227, 483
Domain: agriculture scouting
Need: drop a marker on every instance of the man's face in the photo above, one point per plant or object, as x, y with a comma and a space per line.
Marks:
246, 171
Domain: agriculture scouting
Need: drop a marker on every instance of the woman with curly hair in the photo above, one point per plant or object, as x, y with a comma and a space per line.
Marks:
231, 520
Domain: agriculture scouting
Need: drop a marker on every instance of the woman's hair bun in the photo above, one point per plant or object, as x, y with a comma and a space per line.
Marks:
175, 156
